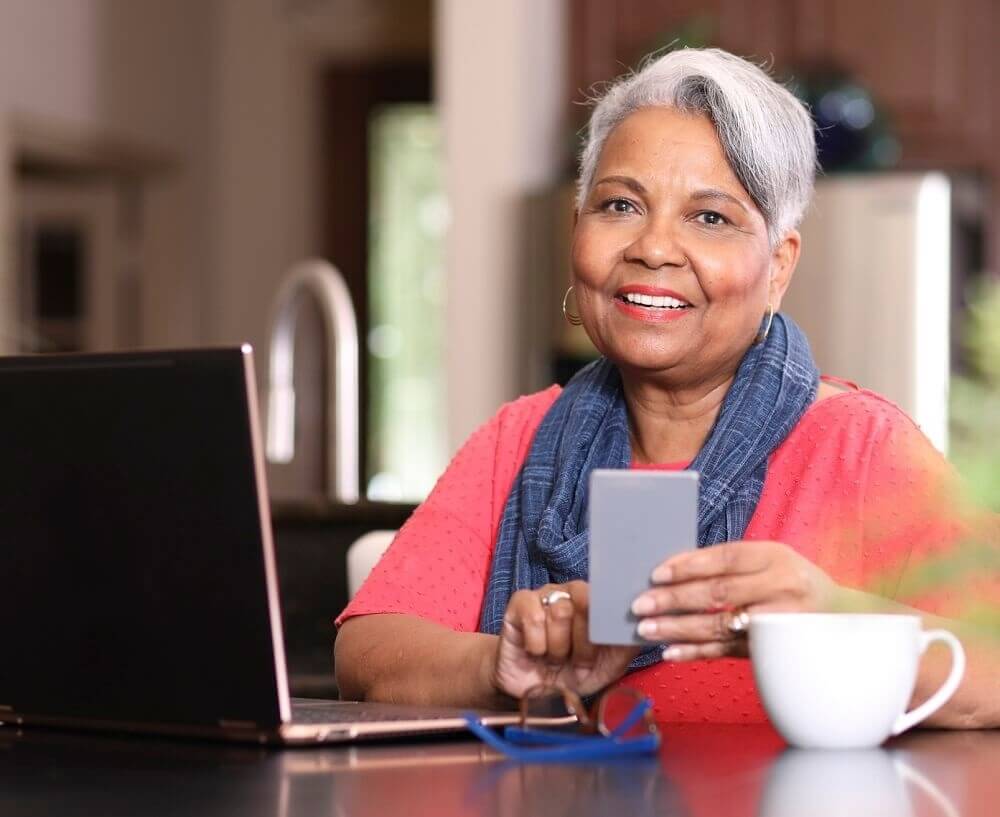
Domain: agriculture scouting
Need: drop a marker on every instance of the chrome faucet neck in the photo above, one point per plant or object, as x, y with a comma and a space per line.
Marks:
326, 286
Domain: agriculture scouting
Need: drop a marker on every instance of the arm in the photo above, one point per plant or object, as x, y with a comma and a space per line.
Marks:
919, 550
934, 555
976, 702
410, 632
405, 659
770, 576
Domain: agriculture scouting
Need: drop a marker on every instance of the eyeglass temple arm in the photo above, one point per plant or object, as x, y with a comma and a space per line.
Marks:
546, 737
597, 750
640, 709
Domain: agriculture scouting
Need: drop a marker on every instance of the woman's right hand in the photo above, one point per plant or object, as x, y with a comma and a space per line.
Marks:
542, 644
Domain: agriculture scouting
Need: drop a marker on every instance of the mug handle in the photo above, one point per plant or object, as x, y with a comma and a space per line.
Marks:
946, 690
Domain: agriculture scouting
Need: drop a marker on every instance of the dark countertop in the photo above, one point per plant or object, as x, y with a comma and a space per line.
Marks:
371, 515
702, 771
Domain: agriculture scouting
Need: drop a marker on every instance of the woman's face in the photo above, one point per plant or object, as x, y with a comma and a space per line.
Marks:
667, 220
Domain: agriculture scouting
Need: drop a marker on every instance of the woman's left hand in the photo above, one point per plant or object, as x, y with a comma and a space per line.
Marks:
692, 604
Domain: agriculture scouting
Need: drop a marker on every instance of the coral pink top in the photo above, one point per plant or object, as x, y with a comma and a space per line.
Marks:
855, 488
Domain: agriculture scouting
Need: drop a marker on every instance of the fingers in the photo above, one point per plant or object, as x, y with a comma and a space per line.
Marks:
690, 629
737, 574
526, 616
725, 558
584, 652
567, 627
681, 653
557, 633
716, 593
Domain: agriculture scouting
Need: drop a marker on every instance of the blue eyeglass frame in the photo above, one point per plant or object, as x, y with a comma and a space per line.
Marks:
568, 746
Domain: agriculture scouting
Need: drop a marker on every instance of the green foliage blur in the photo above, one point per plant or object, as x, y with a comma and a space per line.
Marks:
975, 400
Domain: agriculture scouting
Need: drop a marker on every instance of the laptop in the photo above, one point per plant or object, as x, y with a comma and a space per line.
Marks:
140, 589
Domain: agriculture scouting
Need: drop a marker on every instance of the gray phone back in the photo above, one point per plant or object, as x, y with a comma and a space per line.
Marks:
637, 519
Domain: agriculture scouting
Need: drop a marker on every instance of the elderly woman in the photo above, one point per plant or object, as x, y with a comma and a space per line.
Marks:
695, 173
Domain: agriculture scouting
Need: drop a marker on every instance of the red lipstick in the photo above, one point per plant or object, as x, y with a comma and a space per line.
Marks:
645, 289
649, 313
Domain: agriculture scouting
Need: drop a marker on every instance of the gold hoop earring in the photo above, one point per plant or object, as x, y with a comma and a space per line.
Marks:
573, 320
762, 336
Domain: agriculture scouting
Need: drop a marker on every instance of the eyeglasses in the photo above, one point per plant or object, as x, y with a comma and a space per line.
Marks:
620, 725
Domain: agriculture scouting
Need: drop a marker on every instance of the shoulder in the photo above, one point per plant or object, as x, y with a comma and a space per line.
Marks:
501, 443
846, 429
857, 441
845, 410
519, 419
529, 406
491, 458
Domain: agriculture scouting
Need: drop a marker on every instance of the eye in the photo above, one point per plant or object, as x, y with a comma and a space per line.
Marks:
712, 218
620, 206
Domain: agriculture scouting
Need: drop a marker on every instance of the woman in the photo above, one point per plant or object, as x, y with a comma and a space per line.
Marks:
695, 173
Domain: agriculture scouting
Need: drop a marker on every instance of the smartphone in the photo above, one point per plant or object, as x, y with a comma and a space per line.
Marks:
637, 520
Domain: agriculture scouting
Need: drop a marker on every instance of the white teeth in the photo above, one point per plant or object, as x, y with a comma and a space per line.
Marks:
661, 301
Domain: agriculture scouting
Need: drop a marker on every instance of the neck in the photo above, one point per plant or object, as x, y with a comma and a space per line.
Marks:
672, 424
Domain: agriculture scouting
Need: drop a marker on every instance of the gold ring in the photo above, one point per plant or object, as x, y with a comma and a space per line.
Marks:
739, 622
556, 595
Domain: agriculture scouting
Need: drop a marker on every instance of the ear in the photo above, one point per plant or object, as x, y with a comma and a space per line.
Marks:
784, 259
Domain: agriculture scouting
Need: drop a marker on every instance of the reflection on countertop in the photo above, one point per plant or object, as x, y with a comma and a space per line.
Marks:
703, 770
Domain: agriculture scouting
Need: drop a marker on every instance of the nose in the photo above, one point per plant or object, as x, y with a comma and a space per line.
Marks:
656, 246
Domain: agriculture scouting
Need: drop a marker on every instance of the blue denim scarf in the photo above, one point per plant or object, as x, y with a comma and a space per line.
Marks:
543, 536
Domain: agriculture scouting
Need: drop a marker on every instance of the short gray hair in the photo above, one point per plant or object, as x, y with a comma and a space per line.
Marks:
766, 133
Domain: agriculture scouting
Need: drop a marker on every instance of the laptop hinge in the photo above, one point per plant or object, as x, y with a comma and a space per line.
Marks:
7, 715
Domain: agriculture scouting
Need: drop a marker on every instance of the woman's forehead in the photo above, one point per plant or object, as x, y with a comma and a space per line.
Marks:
653, 142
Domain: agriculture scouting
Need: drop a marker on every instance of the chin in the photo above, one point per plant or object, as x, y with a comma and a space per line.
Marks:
647, 361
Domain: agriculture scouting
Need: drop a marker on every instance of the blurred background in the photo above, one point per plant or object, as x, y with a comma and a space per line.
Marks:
165, 163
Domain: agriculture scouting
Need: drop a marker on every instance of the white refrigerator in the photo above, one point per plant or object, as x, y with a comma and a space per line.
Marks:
872, 289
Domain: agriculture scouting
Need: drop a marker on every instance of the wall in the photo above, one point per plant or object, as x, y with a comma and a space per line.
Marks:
134, 73
226, 91
264, 164
268, 153
502, 94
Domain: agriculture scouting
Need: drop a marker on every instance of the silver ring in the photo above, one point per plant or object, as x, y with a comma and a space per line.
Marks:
556, 595
738, 622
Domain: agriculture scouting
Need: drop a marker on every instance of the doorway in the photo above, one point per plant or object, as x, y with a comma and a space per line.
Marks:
370, 110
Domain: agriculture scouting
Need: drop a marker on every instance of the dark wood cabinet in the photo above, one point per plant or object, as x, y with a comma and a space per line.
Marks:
930, 64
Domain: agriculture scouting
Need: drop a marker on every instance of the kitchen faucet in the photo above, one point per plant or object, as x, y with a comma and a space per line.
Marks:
324, 283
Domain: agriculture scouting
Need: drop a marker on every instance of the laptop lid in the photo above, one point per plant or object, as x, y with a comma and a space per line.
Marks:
137, 561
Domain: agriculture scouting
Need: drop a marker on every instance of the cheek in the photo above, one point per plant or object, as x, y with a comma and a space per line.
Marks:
731, 278
592, 255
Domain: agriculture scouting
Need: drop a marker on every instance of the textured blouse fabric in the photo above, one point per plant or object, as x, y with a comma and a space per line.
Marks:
856, 488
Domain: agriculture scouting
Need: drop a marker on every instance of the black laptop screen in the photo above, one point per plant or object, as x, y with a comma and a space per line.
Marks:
132, 557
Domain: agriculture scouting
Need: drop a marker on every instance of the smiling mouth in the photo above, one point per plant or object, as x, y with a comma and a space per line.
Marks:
652, 301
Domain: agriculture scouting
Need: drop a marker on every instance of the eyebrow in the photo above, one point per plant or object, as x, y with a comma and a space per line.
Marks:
714, 194
628, 181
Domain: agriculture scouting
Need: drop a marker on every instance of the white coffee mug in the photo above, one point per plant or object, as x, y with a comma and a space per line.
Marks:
843, 680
